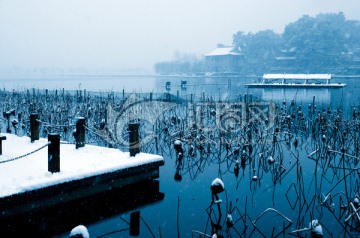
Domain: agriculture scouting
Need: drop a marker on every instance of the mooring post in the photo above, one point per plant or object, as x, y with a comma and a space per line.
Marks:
54, 153
1, 139
245, 109
183, 84
313, 105
167, 86
134, 224
80, 96
80, 132
34, 127
134, 143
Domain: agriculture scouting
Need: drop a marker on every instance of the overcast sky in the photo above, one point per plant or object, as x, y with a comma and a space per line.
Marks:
124, 34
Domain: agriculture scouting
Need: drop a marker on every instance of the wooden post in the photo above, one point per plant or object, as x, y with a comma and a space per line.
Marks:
135, 223
1, 139
183, 84
80, 132
134, 143
34, 127
54, 153
313, 105
19, 116
167, 86
151, 96
7, 116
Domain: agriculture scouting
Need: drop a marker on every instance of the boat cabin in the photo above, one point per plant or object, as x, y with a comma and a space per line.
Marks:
296, 80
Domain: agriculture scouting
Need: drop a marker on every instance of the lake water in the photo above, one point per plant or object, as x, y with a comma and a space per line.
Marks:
294, 185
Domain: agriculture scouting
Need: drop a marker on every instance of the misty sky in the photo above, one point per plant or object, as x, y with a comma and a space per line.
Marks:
126, 34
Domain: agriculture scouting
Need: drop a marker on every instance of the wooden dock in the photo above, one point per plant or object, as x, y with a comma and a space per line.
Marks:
27, 186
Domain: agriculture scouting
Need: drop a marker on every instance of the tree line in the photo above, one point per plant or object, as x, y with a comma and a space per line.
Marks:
326, 43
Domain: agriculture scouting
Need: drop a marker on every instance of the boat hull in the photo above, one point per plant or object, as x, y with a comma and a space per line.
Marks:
261, 85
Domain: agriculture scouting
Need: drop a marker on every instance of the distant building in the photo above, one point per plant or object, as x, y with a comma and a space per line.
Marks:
226, 59
285, 61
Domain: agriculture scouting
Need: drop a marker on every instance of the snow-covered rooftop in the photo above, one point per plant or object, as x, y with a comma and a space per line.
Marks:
224, 51
31, 172
297, 76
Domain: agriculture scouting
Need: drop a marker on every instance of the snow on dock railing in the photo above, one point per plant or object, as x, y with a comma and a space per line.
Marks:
79, 135
30, 173
23, 156
53, 153
79, 132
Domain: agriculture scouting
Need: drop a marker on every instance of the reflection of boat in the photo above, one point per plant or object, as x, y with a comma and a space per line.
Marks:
322, 95
296, 81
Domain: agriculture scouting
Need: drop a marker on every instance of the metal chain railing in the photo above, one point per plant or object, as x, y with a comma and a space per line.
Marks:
46, 124
93, 132
67, 143
22, 156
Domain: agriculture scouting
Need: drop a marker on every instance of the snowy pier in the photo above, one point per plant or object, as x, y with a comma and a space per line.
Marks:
26, 185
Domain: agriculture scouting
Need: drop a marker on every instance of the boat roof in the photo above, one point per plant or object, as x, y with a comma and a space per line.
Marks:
297, 76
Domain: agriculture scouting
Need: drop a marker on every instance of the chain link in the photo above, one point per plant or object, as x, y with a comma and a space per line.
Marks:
67, 143
22, 156
93, 132
46, 124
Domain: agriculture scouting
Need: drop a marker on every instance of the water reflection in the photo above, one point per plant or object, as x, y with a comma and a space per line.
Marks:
306, 156
62, 217
300, 95
283, 168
